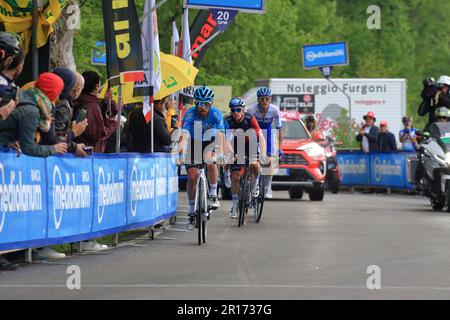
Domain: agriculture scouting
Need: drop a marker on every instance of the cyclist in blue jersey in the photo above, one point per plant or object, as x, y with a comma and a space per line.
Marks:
202, 135
268, 117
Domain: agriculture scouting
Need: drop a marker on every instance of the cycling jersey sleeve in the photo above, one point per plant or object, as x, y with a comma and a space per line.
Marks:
219, 121
255, 126
188, 122
277, 118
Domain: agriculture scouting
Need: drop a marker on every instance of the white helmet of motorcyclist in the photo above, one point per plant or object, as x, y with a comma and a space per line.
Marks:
445, 80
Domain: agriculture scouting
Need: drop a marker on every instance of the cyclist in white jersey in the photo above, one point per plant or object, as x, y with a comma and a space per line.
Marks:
269, 120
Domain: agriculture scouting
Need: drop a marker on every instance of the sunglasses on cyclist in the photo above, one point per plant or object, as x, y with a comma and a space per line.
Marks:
267, 99
203, 104
236, 110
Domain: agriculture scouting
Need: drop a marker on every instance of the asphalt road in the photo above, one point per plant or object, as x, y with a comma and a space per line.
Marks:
301, 250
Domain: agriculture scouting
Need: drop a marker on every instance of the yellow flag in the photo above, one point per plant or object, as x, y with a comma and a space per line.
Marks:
16, 15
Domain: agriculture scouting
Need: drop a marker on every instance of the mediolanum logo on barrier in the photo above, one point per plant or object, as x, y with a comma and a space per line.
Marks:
16, 197
142, 188
385, 168
349, 167
109, 192
68, 195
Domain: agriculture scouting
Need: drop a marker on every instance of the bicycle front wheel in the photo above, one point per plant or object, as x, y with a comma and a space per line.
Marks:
244, 196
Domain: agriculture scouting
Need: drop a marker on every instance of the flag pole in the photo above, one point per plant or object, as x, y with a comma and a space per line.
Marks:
152, 76
119, 114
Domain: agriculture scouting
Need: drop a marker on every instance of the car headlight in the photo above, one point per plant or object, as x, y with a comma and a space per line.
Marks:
312, 150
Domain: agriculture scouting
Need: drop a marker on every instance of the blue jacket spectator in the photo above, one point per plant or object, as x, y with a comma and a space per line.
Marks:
386, 139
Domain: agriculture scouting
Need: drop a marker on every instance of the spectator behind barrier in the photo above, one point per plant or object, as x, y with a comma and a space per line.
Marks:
66, 128
386, 139
408, 136
12, 65
141, 134
99, 128
368, 134
7, 78
31, 114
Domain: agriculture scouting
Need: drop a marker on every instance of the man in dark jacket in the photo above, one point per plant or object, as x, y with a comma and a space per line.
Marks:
23, 122
368, 134
386, 139
141, 133
67, 130
99, 128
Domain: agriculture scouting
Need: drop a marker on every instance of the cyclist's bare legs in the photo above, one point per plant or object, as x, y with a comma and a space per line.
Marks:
192, 175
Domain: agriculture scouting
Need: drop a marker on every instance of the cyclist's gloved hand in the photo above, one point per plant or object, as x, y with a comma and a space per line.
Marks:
280, 153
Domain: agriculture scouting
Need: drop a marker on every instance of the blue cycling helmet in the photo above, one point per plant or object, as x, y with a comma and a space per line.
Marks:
204, 94
237, 102
264, 92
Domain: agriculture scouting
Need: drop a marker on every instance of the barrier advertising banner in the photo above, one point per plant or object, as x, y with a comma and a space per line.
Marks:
23, 199
387, 170
354, 168
110, 194
141, 189
67, 199
70, 196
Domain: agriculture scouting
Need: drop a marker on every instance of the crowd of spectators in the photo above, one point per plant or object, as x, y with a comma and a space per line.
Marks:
379, 139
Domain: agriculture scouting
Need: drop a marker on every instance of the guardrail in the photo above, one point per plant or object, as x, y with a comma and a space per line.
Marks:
66, 199
381, 170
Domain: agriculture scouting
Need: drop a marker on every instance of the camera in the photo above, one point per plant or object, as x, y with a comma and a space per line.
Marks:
7, 94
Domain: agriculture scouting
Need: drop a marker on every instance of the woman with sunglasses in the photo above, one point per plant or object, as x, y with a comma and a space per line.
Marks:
202, 132
242, 133
268, 117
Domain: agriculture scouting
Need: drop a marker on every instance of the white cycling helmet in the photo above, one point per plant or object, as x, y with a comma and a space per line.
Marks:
444, 80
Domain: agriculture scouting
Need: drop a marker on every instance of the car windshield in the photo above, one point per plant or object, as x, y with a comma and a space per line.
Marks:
294, 130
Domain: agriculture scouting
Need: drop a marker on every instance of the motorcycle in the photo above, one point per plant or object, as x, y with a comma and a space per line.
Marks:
434, 165
333, 175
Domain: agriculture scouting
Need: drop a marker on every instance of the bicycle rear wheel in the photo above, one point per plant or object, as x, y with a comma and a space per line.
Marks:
244, 196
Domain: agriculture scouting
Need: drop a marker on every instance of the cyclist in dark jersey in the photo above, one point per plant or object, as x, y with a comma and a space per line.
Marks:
244, 137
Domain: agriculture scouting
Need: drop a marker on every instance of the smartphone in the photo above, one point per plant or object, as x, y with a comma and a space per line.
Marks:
88, 150
82, 115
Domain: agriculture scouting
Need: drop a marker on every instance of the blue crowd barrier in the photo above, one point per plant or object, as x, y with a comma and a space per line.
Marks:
386, 170
67, 199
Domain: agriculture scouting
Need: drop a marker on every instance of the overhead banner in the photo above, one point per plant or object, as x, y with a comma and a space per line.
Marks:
202, 29
251, 6
123, 42
16, 16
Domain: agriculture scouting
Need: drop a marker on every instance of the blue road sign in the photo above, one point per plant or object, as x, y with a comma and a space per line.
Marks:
254, 6
325, 55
